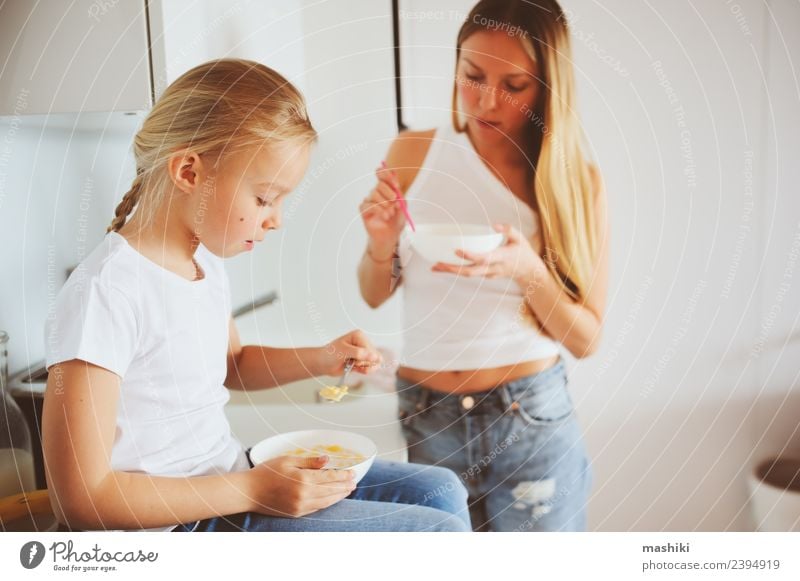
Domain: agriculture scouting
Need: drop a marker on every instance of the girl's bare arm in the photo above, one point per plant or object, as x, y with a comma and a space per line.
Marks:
79, 424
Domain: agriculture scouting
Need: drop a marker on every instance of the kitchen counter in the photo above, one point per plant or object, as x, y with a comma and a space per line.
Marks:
371, 413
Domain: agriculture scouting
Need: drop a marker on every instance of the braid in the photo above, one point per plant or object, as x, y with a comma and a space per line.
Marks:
129, 201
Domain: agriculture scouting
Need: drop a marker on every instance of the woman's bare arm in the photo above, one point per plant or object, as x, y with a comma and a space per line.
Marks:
576, 325
377, 276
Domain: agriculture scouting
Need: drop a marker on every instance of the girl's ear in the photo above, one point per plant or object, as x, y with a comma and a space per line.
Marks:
184, 169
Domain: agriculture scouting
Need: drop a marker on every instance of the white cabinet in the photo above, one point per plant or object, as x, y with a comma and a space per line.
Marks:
78, 56
108, 55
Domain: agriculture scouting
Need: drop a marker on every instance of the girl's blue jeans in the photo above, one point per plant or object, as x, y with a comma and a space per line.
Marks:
392, 496
518, 448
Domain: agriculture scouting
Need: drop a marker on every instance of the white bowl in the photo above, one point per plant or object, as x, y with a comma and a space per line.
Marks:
281, 444
439, 242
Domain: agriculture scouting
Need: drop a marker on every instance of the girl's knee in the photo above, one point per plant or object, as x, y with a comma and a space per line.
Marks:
446, 493
445, 489
440, 521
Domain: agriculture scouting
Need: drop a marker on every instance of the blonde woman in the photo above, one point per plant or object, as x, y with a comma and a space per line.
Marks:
141, 347
481, 382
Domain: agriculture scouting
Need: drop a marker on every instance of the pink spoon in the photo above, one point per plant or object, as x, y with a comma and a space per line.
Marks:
402, 201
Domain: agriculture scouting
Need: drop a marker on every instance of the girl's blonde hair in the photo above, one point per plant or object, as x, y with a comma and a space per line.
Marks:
563, 188
214, 108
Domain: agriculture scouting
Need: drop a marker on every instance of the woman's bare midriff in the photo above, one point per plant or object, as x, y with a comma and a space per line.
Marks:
473, 380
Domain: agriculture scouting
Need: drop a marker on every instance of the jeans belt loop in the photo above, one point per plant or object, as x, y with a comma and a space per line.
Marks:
509, 404
423, 399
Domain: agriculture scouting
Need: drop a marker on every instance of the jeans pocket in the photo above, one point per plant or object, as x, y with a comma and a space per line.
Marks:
408, 403
546, 404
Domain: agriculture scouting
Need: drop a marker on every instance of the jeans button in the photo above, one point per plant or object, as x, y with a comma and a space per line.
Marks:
468, 402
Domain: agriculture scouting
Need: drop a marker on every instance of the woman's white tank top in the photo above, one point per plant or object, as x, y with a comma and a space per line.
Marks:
453, 322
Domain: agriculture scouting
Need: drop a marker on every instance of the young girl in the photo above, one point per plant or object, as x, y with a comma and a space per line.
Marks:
482, 385
141, 345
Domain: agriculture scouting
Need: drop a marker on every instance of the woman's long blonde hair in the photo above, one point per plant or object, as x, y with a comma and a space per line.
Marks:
214, 108
563, 186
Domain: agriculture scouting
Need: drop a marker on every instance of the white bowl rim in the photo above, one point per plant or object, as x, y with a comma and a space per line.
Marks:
460, 230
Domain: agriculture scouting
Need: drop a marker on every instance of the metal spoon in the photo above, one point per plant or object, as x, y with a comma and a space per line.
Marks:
347, 368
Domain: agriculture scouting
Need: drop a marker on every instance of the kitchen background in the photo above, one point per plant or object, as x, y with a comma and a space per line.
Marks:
691, 110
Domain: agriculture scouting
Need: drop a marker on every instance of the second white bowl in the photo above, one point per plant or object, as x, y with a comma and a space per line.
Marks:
284, 444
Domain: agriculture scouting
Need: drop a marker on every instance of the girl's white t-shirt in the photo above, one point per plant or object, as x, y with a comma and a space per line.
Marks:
167, 339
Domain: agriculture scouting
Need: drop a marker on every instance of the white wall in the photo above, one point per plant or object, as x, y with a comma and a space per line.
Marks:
667, 401
776, 345
349, 86
186, 33
60, 179
677, 404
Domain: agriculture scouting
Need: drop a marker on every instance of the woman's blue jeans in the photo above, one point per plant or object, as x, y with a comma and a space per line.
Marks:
392, 496
518, 448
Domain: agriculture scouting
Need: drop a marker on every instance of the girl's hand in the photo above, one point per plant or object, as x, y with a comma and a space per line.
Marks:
516, 259
293, 487
383, 218
354, 345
